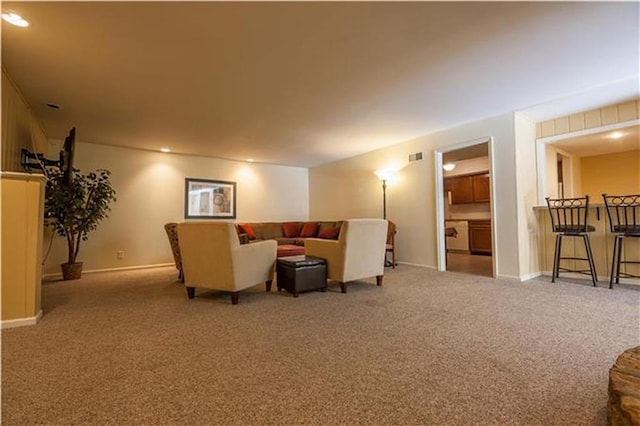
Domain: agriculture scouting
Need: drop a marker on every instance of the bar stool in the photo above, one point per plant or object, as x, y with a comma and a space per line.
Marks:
569, 219
624, 221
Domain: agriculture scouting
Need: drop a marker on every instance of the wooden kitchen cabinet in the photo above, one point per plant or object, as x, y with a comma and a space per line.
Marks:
461, 188
481, 188
468, 189
480, 236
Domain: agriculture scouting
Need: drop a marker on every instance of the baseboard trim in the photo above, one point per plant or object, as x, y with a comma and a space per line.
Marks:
509, 277
20, 322
125, 268
530, 276
419, 265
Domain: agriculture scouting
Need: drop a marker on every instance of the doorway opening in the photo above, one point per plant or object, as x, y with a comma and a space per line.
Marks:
464, 208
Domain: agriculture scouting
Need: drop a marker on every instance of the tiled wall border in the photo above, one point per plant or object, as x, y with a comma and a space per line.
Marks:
611, 114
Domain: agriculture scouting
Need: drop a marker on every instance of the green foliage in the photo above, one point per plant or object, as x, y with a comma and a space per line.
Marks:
75, 210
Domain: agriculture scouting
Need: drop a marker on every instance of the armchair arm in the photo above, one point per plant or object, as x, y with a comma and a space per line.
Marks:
254, 263
330, 250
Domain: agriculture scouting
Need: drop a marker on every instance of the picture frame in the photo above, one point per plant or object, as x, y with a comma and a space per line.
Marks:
209, 199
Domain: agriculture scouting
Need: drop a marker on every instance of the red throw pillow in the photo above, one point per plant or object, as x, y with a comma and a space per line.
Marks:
309, 229
247, 229
329, 233
290, 229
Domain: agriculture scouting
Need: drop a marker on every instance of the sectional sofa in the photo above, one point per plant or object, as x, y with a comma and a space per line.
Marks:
288, 233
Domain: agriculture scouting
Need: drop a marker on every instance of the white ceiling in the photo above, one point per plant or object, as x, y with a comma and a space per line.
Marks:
602, 142
305, 83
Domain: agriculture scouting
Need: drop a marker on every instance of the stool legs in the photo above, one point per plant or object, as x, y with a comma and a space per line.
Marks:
592, 265
615, 262
557, 257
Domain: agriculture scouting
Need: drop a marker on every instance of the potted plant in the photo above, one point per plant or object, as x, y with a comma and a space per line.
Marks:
74, 207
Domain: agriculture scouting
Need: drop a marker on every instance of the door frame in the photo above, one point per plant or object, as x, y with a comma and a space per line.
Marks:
439, 178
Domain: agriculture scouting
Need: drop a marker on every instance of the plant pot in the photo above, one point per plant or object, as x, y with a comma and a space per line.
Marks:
71, 271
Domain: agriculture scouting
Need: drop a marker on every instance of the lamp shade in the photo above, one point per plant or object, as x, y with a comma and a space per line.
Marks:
385, 174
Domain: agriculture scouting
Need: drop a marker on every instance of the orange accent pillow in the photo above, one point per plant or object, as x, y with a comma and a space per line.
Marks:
290, 229
247, 229
329, 233
309, 229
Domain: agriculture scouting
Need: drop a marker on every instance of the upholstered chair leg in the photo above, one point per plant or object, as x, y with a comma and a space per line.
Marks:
181, 276
343, 287
234, 297
379, 279
268, 285
191, 292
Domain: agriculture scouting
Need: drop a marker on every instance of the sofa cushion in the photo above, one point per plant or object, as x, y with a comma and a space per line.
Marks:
245, 228
291, 229
326, 225
286, 241
329, 233
271, 230
309, 229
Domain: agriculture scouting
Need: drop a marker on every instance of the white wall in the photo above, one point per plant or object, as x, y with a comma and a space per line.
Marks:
150, 192
571, 173
348, 188
527, 196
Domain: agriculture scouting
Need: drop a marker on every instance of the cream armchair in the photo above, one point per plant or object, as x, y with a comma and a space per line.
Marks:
213, 258
358, 253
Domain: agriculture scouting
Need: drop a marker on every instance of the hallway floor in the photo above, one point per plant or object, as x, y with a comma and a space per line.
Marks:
470, 264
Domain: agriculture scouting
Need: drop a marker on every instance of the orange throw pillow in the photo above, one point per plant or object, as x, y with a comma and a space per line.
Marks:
309, 229
247, 229
329, 233
290, 229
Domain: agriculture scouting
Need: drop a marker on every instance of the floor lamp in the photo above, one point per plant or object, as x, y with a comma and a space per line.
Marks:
385, 175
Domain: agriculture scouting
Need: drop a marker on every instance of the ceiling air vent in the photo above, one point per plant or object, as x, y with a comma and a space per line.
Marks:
415, 157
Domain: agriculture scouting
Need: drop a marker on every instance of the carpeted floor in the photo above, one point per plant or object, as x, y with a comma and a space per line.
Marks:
425, 348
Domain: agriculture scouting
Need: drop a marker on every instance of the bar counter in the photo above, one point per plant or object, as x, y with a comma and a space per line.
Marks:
601, 244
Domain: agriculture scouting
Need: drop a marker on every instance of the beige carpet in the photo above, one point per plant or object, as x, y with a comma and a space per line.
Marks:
426, 348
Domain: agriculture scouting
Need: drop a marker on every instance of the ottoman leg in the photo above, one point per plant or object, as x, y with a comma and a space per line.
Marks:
343, 287
379, 279
234, 297
268, 285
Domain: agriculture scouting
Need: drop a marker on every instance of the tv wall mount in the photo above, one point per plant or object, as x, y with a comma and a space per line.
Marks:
37, 161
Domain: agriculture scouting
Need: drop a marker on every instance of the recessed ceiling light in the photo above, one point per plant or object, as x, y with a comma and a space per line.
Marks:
250, 160
616, 135
15, 19
165, 149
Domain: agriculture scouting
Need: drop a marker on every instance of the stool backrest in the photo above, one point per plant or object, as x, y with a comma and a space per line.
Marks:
569, 214
623, 212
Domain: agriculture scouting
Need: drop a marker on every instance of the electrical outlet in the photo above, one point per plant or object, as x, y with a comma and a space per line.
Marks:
120, 255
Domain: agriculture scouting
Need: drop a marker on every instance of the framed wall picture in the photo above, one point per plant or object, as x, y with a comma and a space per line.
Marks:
209, 199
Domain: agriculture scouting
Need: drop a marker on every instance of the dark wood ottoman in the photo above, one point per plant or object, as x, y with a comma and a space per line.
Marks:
301, 273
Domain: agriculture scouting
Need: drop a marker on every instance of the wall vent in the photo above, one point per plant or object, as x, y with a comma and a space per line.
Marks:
415, 157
